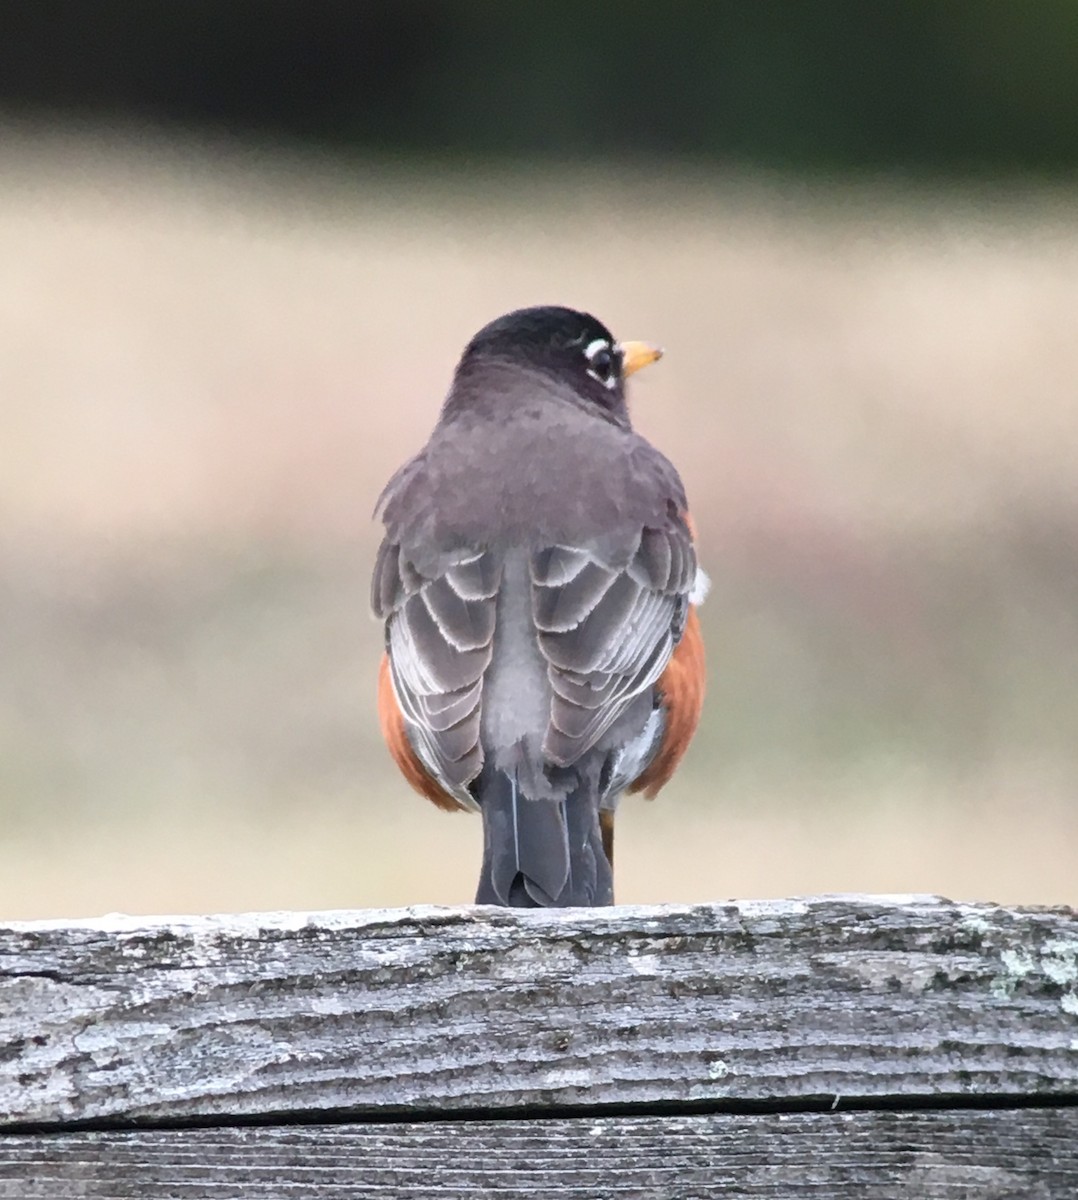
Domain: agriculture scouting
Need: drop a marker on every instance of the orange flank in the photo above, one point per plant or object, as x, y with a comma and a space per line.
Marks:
681, 693
396, 738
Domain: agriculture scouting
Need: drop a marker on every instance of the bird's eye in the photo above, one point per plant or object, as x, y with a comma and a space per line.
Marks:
602, 362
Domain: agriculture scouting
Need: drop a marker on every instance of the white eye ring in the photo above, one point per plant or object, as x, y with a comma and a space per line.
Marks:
592, 350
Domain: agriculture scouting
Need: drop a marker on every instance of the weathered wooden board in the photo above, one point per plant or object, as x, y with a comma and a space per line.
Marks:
438, 1011
1027, 1155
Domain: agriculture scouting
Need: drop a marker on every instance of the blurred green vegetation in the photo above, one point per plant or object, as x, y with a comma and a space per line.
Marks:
983, 86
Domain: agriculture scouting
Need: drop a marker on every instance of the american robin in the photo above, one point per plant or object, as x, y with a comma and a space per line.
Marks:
538, 583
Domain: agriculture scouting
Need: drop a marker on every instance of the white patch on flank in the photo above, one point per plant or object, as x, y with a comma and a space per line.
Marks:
701, 585
631, 761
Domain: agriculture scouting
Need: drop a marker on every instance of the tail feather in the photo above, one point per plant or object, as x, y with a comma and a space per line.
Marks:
540, 853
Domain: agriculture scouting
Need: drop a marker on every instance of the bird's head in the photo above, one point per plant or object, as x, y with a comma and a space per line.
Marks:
573, 349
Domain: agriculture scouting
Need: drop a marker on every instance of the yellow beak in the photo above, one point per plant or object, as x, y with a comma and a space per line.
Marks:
635, 355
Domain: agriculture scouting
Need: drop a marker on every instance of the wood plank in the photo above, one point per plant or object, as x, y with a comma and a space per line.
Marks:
1030, 1154
428, 1011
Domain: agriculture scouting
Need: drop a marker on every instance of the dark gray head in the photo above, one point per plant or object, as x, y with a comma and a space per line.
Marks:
573, 348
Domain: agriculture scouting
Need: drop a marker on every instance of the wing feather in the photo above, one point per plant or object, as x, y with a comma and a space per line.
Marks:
607, 631
439, 634
559, 608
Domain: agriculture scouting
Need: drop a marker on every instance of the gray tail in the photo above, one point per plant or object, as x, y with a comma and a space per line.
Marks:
541, 853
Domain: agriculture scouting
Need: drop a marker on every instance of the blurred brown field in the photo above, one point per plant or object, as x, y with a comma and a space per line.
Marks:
211, 360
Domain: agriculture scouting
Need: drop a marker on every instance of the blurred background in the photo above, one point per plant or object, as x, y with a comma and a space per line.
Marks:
240, 249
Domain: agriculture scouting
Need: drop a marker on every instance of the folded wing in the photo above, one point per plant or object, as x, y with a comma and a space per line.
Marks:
607, 632
439, 637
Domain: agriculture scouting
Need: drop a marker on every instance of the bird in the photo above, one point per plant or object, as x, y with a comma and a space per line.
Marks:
538, 584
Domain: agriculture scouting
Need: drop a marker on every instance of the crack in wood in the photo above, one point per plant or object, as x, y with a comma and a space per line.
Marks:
953, 1103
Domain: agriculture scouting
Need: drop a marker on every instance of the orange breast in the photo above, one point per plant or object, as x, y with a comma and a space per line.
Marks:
681, 693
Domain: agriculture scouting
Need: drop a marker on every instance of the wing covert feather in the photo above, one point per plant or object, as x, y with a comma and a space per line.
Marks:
439, 634
607, 633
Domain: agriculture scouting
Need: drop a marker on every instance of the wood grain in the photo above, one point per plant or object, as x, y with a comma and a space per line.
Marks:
870, 1156
426, 1012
